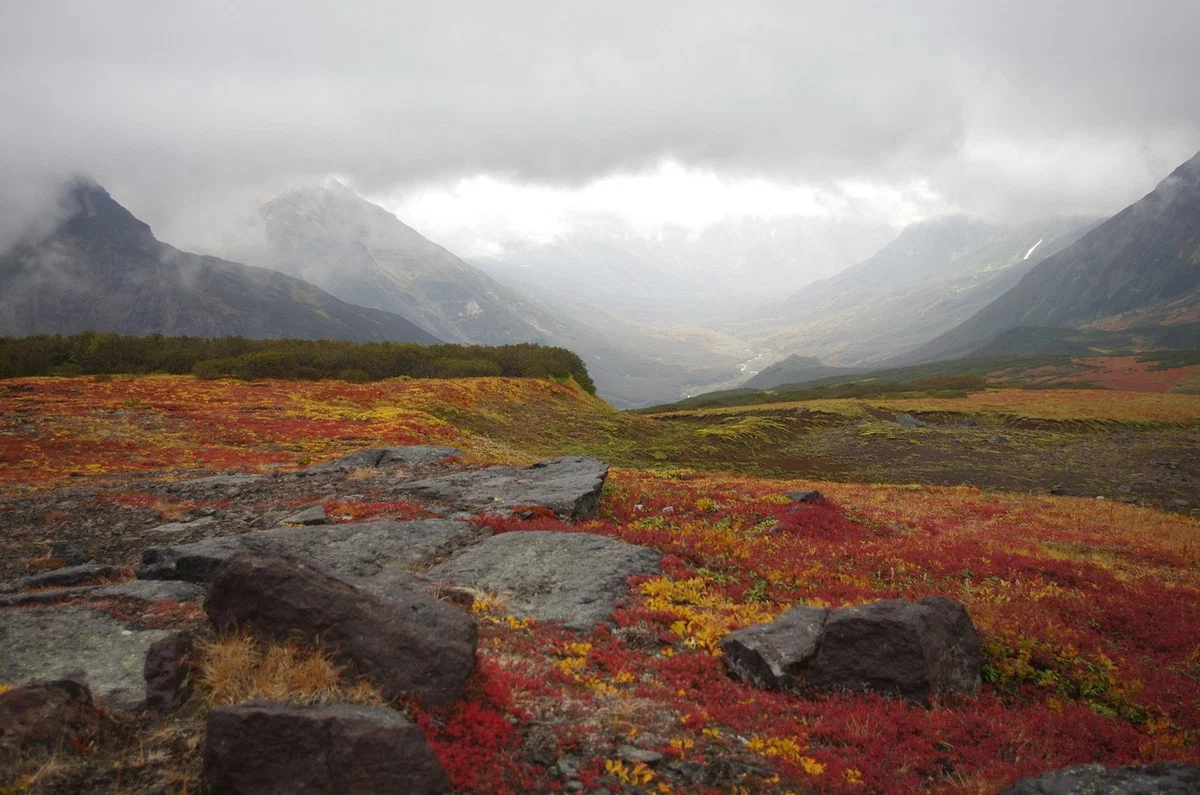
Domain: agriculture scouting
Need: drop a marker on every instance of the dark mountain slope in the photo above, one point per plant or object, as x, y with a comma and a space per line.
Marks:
1145, 257
933, 276
102, 269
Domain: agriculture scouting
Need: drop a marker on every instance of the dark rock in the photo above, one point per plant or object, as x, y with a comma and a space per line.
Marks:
384, 458
634, 755
44, 714
408, 643
568, 486
576, 578
60, 641
968, 422
803, 496
69, 554
308, 517
353, 550
165, 670
72, 575
774, 656
692, 772
899, 648
1058, 489
1125, 488
272, 748
1164, 777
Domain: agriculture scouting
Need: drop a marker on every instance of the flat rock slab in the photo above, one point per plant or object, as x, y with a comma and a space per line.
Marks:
308, 517
146, 590
263, 749
576, 578
67, 576
216, 482
58, 642
353, 550
384, 458
1165, 777
569, 486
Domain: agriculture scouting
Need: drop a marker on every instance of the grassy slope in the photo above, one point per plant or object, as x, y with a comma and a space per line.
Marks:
1085, 608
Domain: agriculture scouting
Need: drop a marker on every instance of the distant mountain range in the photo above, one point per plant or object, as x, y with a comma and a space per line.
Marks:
933, 276
102, 269
1142, 266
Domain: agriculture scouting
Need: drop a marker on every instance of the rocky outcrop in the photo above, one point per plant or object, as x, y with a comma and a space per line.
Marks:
65, 642
263, 749
67, 576
1165, 778
44, 715
774, 656
306, 518
569, 486
408, 643
384, 458
576, 578
354, 550
165, 671
912, 650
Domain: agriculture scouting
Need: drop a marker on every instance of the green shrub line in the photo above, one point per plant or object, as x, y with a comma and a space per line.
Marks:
91, 353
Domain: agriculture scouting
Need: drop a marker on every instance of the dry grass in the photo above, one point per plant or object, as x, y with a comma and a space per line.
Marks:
238, 668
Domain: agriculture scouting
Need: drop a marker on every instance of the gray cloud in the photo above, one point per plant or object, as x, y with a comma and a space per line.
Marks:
1007, 108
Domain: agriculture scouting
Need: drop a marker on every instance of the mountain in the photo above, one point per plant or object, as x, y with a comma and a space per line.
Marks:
330, 236
933, 276
795, 370
102, 269
1142, 266
677, 275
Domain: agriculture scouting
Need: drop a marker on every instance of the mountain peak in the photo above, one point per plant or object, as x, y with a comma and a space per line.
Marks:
91, 212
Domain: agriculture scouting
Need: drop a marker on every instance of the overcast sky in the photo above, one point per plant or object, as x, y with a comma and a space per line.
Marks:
505, 113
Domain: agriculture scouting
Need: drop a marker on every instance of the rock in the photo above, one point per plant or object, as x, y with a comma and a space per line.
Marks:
146, 590
567, 766
803, 496
271, 748
384, 458
179, 528
408, 643
968, 422
633, 755
899, 648
217, 482
693, 772
308, 517
72, 575
1125, 488
909, 421
69, 554
56, 642
568, 486
1164, 777
44, 714
774, 656
353, 550
576, 578
1058, 490
165, 670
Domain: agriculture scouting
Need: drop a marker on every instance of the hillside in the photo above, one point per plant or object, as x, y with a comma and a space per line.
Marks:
102, 269
1139, 265
596, 652
328, 235
794, 370
933, 276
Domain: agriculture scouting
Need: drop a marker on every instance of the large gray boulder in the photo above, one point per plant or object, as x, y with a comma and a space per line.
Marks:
361, 550
569, 486
1165, 777
384, 458
63, 642
264, 749
914, 650
775, 655
407, 643
576, 578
